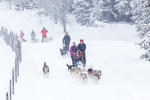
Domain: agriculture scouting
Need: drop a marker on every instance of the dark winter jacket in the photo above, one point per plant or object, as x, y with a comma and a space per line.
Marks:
66, 39
72, 50
82, 48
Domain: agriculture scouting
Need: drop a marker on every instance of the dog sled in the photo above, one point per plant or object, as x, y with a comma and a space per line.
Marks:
64, 53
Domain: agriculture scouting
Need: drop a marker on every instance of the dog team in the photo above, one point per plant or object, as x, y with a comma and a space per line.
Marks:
78, 58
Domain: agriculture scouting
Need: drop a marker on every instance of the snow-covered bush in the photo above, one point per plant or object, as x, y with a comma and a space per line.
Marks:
123, 9
141, 17
82, 11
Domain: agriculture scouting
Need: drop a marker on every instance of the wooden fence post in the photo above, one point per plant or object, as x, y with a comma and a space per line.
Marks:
7, 96
10, 90
13, 81
15, 71
18, 67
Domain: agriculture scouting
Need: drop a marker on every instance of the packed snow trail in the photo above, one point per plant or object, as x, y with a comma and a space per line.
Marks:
121, 79
31, 72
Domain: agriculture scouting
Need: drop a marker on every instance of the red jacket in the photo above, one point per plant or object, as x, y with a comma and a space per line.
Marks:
21, 34
44, 32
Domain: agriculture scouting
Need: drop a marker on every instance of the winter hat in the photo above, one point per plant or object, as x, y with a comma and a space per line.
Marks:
66, 33
74, 43
44, 63
81, 40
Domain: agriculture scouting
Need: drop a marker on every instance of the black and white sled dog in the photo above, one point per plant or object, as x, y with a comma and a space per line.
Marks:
70, 67
96, 74
46, 71
73, 69
77, 71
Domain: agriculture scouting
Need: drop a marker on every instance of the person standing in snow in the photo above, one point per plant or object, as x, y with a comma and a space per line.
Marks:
33, 36
66, 42
22, 36
11, 40
72, 52
81, 48
44, 34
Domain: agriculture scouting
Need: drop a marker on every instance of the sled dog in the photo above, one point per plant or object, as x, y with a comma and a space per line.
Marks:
46, 71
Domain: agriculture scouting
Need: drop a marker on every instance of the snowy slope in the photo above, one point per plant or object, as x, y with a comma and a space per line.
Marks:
124, 76
110, 48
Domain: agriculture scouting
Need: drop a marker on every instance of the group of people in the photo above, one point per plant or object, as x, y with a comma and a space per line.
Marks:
77, 52
33, 35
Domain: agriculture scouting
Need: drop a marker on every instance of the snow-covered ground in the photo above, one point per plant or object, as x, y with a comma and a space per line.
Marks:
7, 60
110, 48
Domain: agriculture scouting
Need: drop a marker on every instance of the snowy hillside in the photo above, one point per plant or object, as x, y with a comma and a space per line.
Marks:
110, 47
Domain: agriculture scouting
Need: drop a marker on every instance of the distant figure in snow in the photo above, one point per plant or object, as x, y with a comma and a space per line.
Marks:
22, 36
44, 34
33, 36
66, 42
45, 70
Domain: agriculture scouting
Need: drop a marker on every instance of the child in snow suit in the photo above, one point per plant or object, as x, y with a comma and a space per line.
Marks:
77, 58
